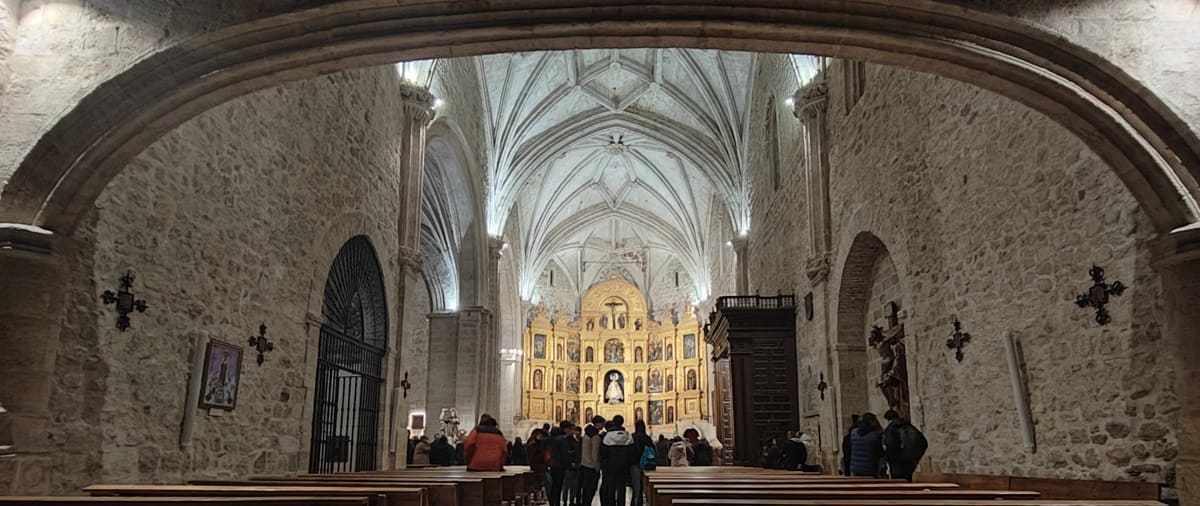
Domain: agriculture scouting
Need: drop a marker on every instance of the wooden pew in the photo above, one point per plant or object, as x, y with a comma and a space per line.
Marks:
667, 496
382, 495
493, 485
905, 502
441, 491
1052, 488
185, 501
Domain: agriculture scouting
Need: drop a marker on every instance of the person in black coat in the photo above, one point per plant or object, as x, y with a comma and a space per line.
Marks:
442, 452
617, 451
846, 449
866, 447
793, 453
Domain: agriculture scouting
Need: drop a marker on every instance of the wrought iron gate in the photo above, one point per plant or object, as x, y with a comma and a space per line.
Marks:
350, 363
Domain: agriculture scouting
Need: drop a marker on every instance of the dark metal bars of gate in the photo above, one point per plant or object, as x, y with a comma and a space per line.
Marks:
346, 410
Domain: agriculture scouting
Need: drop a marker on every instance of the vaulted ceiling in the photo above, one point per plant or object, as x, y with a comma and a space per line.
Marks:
614, 159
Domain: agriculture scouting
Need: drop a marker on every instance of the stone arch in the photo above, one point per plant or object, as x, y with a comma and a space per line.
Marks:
451, 236
1147, 144
850, 352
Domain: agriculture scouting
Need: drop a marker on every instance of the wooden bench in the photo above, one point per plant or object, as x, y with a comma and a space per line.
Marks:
1052, 488
185, 501
667, 496
382, 495
904, 502
493, 487
441, 491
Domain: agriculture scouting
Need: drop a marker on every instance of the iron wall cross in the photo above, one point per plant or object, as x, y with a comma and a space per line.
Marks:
1097, 296
405, 384
957, 340
124, 301
261, 343
822, 385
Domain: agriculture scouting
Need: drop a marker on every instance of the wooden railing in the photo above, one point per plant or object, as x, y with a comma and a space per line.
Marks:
756, 302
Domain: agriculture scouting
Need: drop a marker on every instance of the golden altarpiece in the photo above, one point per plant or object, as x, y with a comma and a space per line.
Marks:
615, 360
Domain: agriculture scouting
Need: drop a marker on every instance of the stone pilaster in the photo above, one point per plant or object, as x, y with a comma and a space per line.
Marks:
741, 248
31, 304
418, 112
1179, 263
810, 106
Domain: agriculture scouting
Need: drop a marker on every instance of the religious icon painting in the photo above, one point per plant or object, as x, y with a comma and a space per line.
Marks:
689, 346
539, 346
638, 414
222, 375
573, 349
588, 414
656, 413
670, 351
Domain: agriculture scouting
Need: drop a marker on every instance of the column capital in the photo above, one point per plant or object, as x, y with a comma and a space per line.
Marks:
817, 268
411, 259
27, 240
810, 100
495, 247
1180, 246
418, 103
740, 243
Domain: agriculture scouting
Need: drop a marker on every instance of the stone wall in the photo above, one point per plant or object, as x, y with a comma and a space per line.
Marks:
772, 214
992, 214
415, 355
229, 221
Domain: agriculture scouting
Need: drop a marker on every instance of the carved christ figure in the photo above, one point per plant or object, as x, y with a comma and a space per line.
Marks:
893, 376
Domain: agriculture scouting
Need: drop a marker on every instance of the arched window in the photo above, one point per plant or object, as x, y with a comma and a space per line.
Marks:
349, 373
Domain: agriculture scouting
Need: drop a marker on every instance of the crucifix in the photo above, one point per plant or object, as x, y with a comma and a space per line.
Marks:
822, 385
893, 374
1097, 296
405, 384
612, 308
958, 340
261, 343
124, 301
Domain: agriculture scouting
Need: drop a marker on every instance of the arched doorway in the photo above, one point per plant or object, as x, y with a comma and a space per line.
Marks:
869, 282
345, 429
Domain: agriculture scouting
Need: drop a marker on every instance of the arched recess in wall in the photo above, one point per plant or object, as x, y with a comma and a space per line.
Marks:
869, 280
346, 423
1146, 144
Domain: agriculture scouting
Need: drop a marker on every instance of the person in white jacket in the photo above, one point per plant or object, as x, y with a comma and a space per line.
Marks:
810, 445
681, 453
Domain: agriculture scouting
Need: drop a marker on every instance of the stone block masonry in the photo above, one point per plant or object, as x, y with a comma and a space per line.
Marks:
229, 221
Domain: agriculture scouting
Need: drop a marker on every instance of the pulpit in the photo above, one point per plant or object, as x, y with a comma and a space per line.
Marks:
755, 393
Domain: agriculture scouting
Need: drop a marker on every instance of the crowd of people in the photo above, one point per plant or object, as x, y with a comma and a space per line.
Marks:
576, 462
869, 449
796, 453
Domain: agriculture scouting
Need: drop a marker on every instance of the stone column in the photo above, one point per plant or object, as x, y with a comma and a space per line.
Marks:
443, 366
510, 379
418, 112
491, 357
1179, 263
31, 306
810, 106
741, 248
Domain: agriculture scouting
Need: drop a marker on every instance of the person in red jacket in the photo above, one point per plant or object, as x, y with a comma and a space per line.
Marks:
485, 448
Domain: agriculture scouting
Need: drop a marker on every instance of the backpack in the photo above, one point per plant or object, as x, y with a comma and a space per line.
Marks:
912, 443
649, 459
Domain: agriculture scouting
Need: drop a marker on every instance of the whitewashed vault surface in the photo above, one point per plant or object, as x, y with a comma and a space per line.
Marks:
604, 161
